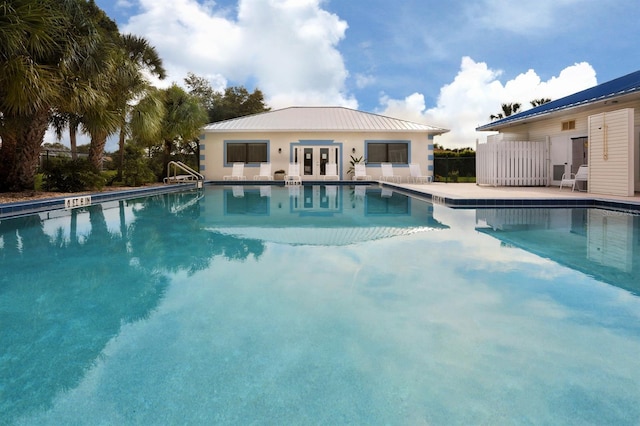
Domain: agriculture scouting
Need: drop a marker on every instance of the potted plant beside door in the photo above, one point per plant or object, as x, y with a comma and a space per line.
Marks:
352, 164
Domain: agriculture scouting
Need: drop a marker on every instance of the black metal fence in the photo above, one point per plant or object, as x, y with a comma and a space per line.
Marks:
455, 169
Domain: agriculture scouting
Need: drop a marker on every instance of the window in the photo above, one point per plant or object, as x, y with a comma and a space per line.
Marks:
388, 152
246, 152
376, 204
249, 204
569, 125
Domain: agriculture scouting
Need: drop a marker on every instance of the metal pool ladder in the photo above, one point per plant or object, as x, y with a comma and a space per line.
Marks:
188, 174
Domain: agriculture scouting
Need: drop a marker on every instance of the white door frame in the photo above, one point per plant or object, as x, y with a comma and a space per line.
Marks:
313, 155
560, 154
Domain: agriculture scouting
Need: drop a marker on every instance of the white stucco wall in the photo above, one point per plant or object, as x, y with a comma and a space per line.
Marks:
212, 155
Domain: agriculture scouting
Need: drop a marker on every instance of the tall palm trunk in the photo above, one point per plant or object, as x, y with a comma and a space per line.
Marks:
121, 141
26, 153
96, 149
73, 139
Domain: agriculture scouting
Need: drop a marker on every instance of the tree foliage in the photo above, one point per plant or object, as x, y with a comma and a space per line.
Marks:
507, 110
540, 101
64, 62
233, 102
52, 56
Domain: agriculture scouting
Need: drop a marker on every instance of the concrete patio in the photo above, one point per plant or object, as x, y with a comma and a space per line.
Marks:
470, 194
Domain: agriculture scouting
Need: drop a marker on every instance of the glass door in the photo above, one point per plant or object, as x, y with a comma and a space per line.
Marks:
307, 161
313, 160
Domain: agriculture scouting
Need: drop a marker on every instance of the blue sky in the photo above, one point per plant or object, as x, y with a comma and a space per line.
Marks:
445, 63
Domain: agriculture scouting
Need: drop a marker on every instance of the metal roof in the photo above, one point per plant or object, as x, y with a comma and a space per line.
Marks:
620, 86
321, 236
321, 119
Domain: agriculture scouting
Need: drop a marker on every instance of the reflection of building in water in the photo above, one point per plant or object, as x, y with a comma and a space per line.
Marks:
316, 214
610, 239
604, 244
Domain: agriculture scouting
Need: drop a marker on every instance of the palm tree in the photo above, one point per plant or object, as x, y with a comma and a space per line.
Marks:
50, 53
139, 56
28, 31
541, 101
184, 117
507, 110
146, 118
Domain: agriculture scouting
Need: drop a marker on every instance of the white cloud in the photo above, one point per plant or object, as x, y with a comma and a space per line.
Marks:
519, 17
363, 80
288, 48
476, 93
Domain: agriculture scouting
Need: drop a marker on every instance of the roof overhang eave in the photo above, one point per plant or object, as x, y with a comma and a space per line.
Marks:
435, 131
496, 127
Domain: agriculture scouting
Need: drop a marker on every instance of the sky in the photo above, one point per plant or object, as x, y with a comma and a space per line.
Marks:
449, 63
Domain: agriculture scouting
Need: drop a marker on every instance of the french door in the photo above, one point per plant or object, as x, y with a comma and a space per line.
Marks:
313, 160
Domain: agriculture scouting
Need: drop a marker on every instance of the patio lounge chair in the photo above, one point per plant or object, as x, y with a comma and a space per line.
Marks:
265, 190
293, 177
417, 176
360, 172
387, 173
572, 178
331, 172
238, 191
236, 172
264, 173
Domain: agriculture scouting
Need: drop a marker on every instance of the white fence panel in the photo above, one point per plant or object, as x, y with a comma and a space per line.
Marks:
512, 163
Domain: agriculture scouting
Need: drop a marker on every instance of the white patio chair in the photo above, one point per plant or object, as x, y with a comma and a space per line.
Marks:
331, 171
571, 178
417, 176
264, 173
238, 191
236, 172
265, 190
293, 177
360, 172
387, 173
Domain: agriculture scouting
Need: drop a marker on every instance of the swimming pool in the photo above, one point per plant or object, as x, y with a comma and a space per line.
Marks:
318, 305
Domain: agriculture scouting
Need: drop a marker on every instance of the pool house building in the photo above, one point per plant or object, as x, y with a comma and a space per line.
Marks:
313, 137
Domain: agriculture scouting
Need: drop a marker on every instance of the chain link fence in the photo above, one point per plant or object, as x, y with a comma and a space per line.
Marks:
455, 169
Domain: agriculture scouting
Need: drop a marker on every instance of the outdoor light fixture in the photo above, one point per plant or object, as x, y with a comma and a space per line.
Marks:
279, 150
353, 150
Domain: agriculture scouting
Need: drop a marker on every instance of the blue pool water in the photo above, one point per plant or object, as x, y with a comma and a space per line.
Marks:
318, 305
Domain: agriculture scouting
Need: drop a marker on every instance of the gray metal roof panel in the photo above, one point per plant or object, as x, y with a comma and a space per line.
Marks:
320, 119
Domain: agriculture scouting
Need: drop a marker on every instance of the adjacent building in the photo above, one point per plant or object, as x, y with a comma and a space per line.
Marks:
599, 126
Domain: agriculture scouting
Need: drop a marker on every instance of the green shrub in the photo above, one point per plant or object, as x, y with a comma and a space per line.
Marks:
72, 176
136, 170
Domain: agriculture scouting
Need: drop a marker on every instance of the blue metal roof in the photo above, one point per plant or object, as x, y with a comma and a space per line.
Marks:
620, 86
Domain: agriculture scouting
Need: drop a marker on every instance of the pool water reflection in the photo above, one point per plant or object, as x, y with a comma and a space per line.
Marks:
318, 305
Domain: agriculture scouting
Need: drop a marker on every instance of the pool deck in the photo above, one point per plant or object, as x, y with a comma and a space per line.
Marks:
472, 195
456, 195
